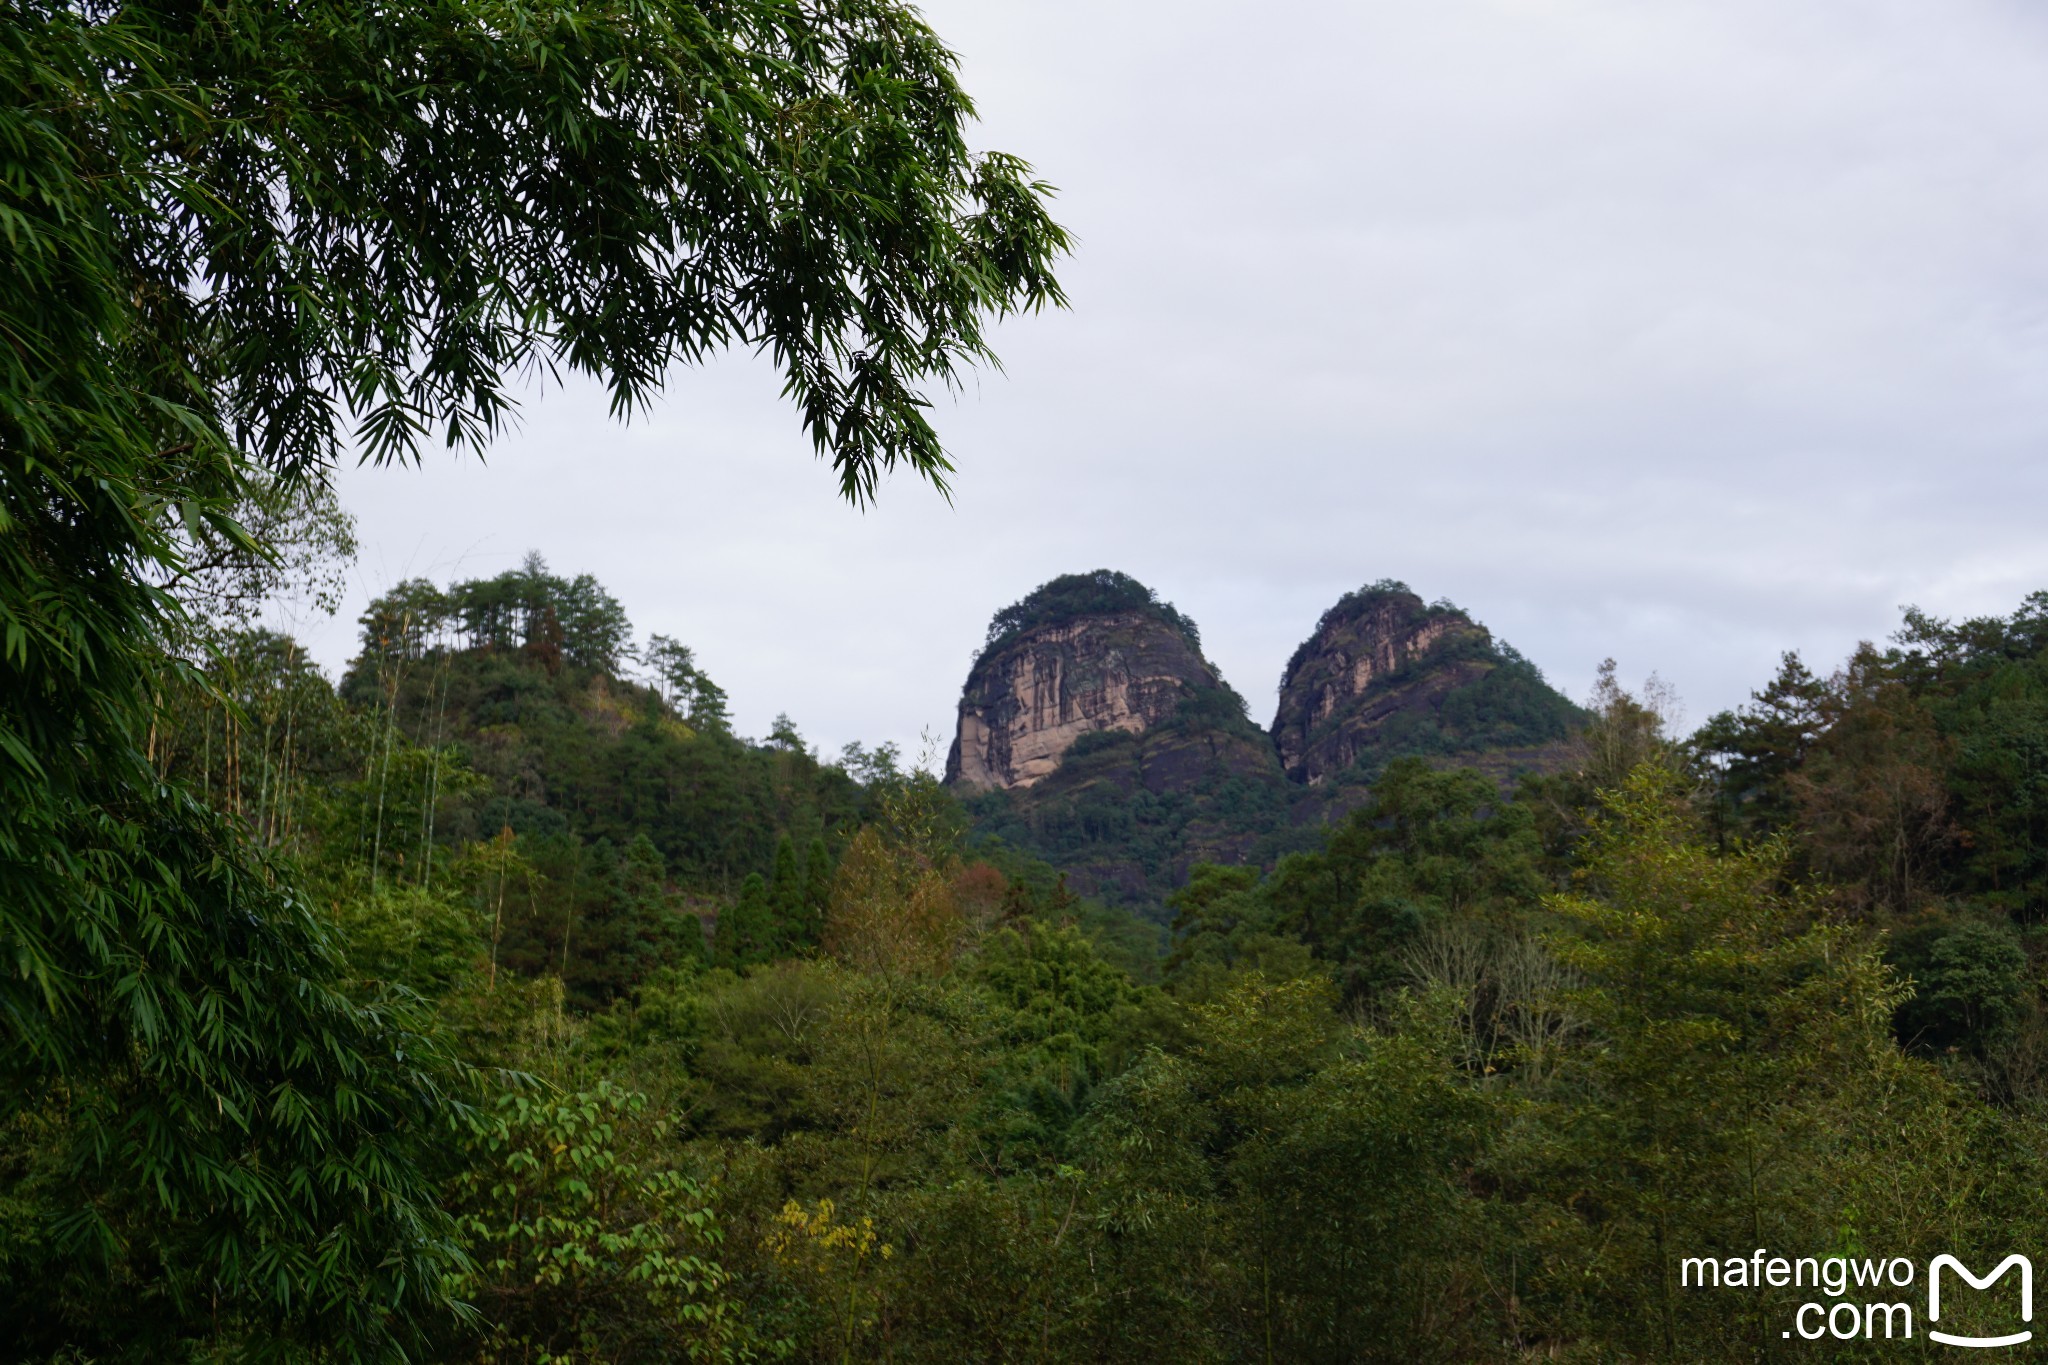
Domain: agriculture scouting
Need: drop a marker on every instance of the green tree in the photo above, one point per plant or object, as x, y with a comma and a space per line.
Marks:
231, 232
583, 1245
1060, 995
786, 896
1223, 921
1067, 1018
627, 929
1738, 1039
708, 710
1985, 682
1349, 1179
1969, 984
1875, 812
595, 632
1760, 747
673, 665
817, 894
1431, 845
1623, 731
746, 929
1311, 1179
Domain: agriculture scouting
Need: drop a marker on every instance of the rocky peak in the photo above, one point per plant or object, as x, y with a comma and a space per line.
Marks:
1380, 660
1084, 653
1095, 735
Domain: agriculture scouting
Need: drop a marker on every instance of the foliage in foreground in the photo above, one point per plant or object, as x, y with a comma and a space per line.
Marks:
238, 237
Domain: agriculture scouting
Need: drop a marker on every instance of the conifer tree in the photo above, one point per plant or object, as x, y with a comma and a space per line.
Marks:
785, 896
817, 891
1761, 748
745, 932
708, 707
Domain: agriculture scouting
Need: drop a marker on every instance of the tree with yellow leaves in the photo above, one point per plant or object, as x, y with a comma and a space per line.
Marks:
893, 909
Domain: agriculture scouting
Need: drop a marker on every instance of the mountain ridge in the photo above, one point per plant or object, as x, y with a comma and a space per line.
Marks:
1093, 732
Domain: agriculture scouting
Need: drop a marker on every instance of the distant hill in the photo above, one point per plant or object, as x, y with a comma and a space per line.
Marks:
522, 673
1385, 675
1094, 734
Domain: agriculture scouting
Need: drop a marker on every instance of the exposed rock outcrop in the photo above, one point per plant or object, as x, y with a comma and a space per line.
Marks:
1385, 674
1030, 698
1093, 732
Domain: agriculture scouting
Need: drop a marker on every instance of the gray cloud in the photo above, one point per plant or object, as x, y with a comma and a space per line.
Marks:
1684, 332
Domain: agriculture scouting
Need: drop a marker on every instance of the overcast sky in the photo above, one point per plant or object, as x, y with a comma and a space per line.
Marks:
1680, 332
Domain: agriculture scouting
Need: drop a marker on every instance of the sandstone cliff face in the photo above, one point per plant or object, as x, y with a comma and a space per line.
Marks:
1094, 735
1029, 700
1377, 657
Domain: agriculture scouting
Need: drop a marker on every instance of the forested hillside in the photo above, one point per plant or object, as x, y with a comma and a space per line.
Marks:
496, 1002
740, 1053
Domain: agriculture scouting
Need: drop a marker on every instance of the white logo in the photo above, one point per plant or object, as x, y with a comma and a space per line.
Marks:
2026, 1298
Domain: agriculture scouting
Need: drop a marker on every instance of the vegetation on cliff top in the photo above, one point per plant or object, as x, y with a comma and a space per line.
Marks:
1101, 592
1359, 601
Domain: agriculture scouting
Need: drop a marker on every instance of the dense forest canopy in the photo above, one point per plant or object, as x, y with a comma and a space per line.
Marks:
736, 1052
